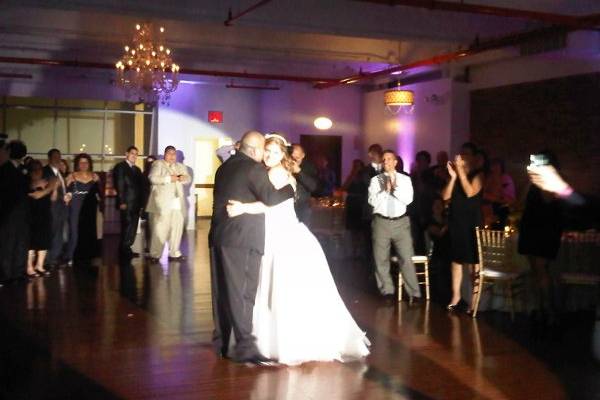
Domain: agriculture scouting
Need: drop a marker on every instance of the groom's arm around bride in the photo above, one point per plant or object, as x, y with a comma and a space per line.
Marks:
237, 245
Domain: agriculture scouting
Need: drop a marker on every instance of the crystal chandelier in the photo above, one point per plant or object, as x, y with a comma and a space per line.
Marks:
146, 70
397, 100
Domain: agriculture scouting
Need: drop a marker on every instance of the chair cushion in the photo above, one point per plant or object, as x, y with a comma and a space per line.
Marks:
419, 259
490, 273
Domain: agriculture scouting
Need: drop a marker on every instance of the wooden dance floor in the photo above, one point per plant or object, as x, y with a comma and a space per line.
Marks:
138, 331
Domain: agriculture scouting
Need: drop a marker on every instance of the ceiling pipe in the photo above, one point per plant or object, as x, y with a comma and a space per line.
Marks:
584, 22
15, 76
252, 87
191, 71
231, 18
439, 5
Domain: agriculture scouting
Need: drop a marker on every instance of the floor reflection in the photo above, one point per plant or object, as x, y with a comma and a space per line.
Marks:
308, 381
143, 330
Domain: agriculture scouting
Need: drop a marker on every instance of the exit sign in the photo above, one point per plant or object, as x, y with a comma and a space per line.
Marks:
215, 117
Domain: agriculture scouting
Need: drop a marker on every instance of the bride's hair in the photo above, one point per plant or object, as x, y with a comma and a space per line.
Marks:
286, 161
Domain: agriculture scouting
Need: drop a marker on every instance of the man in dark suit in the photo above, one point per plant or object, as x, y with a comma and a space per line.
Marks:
372, 169
128, 180
58, 209
14, 222
237, 244
307, 178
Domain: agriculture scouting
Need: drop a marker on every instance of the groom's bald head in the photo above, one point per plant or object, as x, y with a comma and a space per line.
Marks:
253, 145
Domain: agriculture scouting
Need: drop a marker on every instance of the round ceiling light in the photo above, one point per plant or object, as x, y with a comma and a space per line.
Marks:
323, 123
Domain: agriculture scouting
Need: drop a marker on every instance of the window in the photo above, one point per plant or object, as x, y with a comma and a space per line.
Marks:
103, 129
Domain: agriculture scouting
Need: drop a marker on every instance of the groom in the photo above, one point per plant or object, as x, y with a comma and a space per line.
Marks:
237, 244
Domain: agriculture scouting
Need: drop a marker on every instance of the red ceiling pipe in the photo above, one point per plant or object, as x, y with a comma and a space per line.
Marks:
230, 74
438, 5
504, 41
231, 18
439, 59
252, 87
271, 77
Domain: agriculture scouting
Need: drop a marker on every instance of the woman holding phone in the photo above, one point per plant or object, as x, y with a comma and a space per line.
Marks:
463, 192
540, 232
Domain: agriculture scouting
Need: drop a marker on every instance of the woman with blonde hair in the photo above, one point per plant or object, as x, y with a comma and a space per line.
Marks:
299, 315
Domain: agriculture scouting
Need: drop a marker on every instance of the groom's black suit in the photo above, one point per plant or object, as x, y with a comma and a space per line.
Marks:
237, 245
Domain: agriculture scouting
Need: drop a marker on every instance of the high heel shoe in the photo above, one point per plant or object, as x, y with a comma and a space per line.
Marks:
31, 276
42, 272
451, 307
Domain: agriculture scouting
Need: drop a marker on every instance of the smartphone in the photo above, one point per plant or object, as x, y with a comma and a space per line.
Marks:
538, 160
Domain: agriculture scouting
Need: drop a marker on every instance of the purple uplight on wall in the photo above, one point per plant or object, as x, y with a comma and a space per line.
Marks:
405, 139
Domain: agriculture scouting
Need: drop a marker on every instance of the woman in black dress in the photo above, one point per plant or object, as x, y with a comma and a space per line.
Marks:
540, 231
83, 186
464, 193
40, 235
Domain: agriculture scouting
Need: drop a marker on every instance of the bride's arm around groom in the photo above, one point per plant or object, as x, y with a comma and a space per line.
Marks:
237, 245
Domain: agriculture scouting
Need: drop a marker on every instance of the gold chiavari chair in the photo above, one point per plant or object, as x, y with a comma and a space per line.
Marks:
582, 248
422, 273
494, 266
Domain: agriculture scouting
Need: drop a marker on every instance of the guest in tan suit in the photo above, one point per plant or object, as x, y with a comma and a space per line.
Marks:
166, 205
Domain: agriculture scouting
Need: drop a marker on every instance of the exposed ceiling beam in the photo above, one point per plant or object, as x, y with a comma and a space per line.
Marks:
229, 74
505, 41
583, 22
439, 5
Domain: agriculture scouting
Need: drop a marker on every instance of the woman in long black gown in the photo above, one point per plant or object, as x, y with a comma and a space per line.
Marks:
83, 186
464, 193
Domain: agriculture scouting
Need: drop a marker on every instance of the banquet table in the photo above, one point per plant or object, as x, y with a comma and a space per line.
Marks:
328, 225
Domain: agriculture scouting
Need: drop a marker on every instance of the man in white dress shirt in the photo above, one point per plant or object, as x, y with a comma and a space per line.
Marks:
390, 193
166, 205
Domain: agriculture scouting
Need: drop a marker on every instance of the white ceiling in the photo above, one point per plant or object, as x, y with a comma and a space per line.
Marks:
316, 38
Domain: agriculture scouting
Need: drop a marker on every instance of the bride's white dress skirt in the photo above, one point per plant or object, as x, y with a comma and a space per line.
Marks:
299, 315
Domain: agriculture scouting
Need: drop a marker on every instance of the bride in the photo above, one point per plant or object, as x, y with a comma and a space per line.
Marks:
298, 315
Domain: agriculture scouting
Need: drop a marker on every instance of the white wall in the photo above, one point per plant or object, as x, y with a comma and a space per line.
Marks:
427, 128
580, 56
460, 116
185, 119
293, 109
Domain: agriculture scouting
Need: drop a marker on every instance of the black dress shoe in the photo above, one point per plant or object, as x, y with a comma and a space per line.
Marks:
414, 300
389, 299
259, 360
180, 258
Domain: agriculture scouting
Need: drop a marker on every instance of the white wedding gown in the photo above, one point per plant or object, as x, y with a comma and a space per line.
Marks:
299, 315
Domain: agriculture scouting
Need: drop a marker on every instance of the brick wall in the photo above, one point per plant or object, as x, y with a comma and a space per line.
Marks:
562, 115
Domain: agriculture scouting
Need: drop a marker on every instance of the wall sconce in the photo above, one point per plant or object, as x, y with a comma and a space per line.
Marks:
323, 123
437, 99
